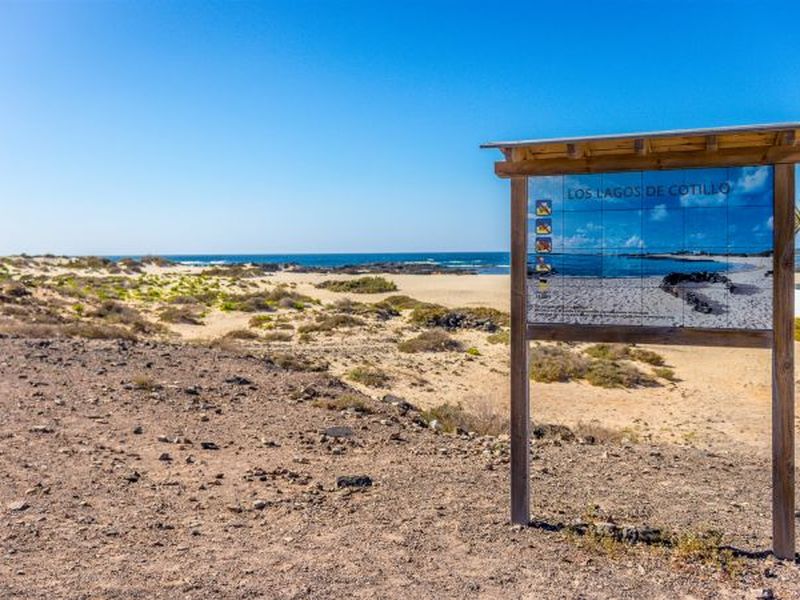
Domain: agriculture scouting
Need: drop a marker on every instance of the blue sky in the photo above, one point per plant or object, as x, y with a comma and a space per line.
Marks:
349, 126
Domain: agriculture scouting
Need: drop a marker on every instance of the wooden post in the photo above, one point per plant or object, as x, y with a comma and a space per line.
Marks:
520, 408
783, 530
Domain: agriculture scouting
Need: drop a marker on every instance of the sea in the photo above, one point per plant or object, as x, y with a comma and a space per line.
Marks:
485, 263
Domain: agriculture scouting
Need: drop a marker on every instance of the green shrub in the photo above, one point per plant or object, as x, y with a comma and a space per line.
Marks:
379, 310
262, 322
481, 317
549, 364
401, 302
361, 285
473, 351
608, 351
647, 356
622, 352
665, 373
430, 341
279, 297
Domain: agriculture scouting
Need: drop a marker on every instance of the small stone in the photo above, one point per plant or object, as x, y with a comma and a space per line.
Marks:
766, 594
165, 456
238, 380
138, 430
435, 425
235, 508
41, 429
353, 481
209, 446
260, 504
339, 432
133, 477
18, 506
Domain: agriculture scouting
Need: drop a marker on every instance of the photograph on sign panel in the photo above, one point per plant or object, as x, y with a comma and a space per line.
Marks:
680, 248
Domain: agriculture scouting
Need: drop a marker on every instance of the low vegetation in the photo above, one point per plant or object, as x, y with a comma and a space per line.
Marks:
331, 323
430, 341
613, 374
549, 364
181, 315
362, 285
503, 336
602, 365
665, 373
297, 362
369, 376
453, 418
279, 297
624, 352
349, 402
484, 318
241, 334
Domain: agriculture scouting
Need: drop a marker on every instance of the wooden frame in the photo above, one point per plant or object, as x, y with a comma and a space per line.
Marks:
775, 145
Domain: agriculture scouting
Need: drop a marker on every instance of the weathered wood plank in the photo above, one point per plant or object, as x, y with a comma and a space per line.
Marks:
744, 338
730, 157
520, 406
783, 477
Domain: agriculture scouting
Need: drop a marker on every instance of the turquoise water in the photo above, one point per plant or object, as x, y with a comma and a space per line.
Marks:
586, 265
482, 262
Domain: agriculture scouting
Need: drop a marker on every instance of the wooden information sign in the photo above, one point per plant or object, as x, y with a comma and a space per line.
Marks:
675, 237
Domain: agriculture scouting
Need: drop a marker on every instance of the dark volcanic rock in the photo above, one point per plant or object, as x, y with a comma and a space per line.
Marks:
353, 481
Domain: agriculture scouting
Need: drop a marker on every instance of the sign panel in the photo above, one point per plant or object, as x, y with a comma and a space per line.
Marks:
678, 248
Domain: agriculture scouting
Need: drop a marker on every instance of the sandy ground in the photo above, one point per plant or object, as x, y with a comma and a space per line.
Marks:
156, 470
722, 398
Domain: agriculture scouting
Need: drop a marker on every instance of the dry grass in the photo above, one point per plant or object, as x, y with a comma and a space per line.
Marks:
612, 374
665, 373
482, 418
705, 548
183, 315
293, 362
615, 352
549, 364
241, 334
277, 336
481, 317
349, 402
369, 376
330, 323
361, 285
430, 341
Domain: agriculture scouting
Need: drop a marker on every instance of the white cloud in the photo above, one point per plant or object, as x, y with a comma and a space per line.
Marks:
659, 212
752, 180
634, 242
